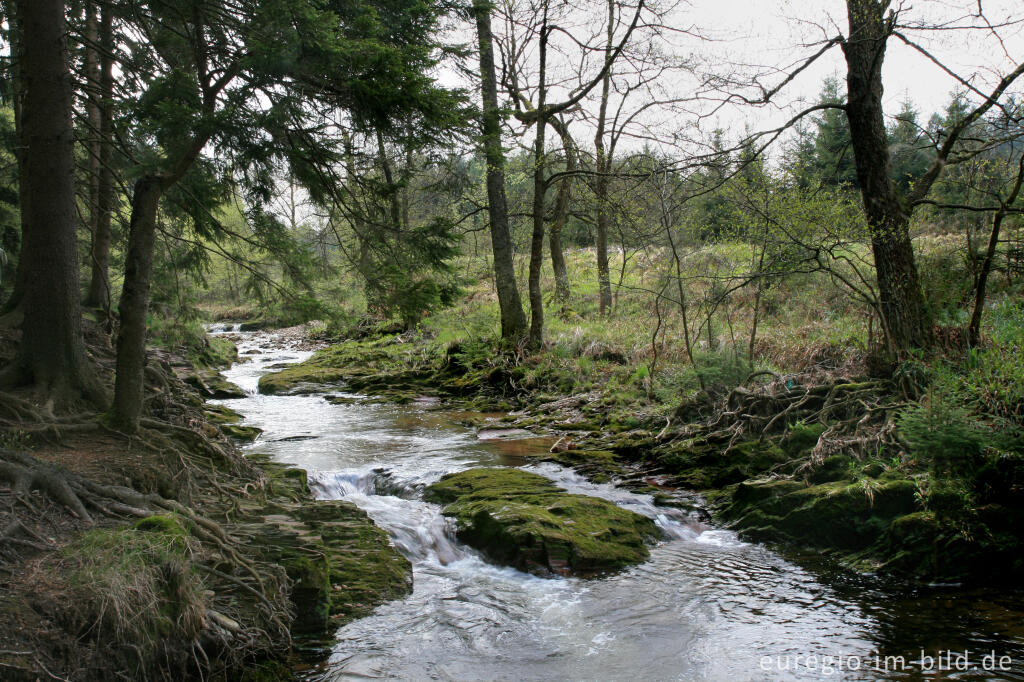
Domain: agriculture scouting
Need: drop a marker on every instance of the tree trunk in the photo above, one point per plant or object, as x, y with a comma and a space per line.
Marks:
513, 319
90, 134
52, 353
906, 319
974, 328
539, 190
602, 166
561, 273
562, 201
98, 295
134, 305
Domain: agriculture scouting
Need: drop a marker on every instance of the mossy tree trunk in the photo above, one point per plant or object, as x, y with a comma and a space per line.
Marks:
539, 191
562, 201
904, 314
602, 166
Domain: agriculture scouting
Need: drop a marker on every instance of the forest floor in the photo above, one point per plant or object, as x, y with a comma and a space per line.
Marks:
167, 554
914, 468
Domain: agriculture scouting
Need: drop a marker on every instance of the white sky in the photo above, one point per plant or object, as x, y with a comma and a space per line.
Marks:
771, 31
771, 36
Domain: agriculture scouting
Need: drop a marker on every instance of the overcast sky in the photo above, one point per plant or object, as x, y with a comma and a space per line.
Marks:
771, 37
771, 31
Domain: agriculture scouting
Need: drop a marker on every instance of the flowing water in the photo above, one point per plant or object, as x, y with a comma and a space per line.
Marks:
706, 606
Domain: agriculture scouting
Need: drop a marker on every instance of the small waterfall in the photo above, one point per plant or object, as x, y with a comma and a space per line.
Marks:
223, 327
417, 528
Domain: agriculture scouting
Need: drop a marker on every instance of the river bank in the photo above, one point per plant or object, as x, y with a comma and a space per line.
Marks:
781, 459
169, 553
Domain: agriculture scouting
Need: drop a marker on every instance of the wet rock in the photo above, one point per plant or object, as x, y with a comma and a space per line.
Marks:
342, 565
245, 434
524, 520
835, 515
212, 384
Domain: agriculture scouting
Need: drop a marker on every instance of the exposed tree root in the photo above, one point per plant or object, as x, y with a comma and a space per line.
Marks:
857, 416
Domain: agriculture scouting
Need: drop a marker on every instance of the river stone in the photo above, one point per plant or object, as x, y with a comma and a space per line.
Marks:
524, 520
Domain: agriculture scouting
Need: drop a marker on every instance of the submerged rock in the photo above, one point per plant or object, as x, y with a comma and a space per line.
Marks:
526, 521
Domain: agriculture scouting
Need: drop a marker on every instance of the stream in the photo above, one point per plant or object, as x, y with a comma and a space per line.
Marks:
706, 606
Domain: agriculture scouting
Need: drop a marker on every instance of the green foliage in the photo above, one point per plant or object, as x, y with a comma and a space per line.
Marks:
944, 433
993, 377
723, 369
825, 155
963, 417
946, 278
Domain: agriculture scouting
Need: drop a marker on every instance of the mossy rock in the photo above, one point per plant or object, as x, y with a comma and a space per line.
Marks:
212, 385
634, 445
377, 364
834, 468
801, 438
700, 465
524, 520
835, 515
215, 352
341, 565
246, 434
599, 466
222, 414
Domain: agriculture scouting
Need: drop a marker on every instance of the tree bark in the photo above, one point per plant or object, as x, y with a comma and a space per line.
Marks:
974, 327
602, 165
513, 319
52, 353
561, 218
98, 295
90, 134
904, 314
134, 305
539, 190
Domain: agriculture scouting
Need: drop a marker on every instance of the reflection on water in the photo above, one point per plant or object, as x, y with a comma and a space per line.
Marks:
706, 606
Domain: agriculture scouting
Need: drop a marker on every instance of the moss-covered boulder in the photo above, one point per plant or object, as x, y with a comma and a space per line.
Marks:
526, 521
211, 384
214, 352
700, 465
227, 420
836, 515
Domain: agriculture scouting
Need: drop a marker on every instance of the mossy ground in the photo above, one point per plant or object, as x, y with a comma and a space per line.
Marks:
524, 520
